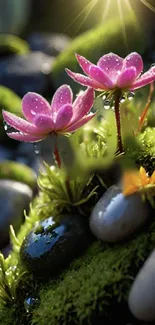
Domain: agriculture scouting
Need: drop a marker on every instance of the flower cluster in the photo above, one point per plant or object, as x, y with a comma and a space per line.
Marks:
112, 74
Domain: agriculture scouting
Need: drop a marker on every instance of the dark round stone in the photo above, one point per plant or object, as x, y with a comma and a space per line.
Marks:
52, 244
29, 72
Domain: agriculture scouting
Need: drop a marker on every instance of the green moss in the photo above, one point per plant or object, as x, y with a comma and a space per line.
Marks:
95, 283
9, 101
94, 43
10, 44
144, 150
18, 172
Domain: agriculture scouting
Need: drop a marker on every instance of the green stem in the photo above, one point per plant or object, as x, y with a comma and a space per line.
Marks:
118, 123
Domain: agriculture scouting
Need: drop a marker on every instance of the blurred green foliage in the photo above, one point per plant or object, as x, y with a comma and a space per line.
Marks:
11, 44
10, 102
17, 172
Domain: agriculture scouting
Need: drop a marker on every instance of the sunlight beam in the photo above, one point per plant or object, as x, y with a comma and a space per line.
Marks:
89, 11
122, 22
148, 5
106, 9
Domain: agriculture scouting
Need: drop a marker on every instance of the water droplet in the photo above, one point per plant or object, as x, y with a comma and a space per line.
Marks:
36, 149
130, 95
107, 104
7, 127
104, 97
30, 303
122, 99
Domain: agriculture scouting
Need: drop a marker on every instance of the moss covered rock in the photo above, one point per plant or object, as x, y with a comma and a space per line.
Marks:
10, 44
9, 101
18, 172
93, 44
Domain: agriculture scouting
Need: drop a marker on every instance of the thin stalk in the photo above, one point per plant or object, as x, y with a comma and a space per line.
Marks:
56, 155
118, 123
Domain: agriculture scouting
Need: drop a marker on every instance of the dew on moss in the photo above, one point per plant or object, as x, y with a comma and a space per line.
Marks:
30, 303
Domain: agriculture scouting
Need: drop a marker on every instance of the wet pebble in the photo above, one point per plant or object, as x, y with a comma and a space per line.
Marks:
14, 198
142, 293
115, 216
29, 72
51, 44
52, 244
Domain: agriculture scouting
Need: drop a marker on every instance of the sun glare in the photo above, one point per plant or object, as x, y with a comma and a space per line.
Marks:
106, 9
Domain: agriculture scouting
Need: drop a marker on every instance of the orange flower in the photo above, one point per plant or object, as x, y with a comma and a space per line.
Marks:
137, 181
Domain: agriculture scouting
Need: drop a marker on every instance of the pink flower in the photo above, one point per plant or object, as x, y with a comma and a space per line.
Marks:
63, 116
113, 72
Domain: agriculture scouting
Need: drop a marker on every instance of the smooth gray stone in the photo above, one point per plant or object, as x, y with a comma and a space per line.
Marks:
115, 216
142, 293
29, 72
51, 44
15, 197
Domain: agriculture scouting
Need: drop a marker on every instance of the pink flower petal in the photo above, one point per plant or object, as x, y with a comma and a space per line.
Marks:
20, 124
84, 63
62, 96
25, 137
83, 80
44, 123
126, 77
145, 79
111, 64
33, 104
134, 60
100, 76
64, 116
83, 104
78, 124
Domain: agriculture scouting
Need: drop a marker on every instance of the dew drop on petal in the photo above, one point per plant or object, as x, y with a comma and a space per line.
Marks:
130, 95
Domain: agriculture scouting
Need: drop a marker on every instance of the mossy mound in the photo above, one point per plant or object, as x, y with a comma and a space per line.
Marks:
93, 289
95, 286
10, 44
94, 43
10, 102
18, 172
